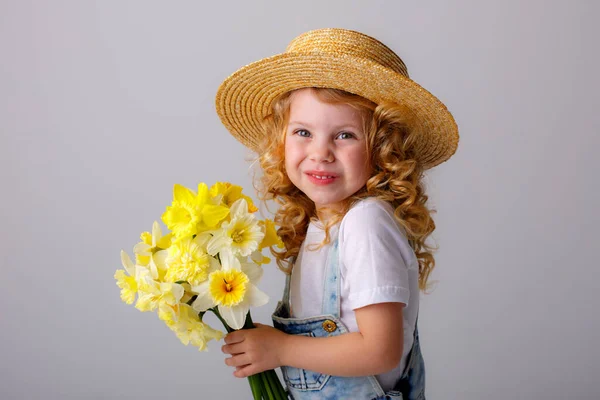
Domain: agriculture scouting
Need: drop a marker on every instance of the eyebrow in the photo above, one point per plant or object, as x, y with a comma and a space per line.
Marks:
337, 128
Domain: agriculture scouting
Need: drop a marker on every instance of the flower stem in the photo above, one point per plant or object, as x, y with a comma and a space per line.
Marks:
276, 384
248, 324
267, 386
255, 386
216, 312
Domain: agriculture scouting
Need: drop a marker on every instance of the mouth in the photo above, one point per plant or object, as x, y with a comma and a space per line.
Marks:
321, 177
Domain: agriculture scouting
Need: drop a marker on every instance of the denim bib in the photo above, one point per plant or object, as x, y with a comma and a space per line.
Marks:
309, 385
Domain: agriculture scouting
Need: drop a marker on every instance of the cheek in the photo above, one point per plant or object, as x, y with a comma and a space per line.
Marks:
360, 162
292, 155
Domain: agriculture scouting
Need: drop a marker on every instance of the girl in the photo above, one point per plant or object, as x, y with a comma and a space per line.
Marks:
343, 136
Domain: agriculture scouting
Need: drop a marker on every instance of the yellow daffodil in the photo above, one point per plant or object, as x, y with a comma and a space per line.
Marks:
169, 313
191, 213
189, 329
127, 282
152, 296
242, 234
127, 263
188, 261
150, 244
271, 238
158, 265
187, 296
232, 289
229, 194
128, 286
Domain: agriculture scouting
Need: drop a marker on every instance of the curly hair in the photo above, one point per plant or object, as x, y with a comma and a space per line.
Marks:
396, 177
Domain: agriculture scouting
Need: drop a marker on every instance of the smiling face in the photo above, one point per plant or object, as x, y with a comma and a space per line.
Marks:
325, 149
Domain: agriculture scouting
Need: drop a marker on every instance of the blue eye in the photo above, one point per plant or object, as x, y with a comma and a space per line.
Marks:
345, 135
303, 133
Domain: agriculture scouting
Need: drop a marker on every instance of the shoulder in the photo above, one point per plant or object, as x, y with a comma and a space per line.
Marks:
370, 214
370, 226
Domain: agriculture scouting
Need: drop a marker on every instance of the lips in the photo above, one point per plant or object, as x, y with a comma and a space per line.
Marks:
321, 177
321, 174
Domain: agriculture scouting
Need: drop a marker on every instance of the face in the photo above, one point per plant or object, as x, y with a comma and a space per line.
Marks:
325, 149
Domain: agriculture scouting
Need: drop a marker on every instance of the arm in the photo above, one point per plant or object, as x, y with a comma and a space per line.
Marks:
375, 349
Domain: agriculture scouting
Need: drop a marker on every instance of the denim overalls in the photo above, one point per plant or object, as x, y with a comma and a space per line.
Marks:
304, 385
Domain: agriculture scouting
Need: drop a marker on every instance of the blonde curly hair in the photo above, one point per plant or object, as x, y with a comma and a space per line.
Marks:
396, 177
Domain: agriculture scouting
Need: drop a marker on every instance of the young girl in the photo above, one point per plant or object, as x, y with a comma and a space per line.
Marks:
343, 136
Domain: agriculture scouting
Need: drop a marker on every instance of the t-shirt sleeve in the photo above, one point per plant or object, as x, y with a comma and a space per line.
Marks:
373, 256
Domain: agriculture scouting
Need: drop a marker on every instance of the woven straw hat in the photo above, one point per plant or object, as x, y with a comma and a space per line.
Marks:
339, 59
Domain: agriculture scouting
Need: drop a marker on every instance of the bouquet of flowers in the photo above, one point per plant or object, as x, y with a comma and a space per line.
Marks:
209, 261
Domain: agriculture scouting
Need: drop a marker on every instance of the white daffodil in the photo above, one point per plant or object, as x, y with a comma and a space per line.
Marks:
232, 289
242, 234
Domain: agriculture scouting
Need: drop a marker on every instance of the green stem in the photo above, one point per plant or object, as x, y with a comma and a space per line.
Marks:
276, 384
255, 387
248, 324
266, 385
216, 312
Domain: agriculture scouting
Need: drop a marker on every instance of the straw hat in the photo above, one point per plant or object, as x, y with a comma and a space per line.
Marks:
339, 59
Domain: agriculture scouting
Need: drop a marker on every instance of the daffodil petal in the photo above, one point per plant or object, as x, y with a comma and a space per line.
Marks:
254, 296
239, 208
156, 233
253, 271
218, 242
183, 194
160, 259
164, 241
213, 265
203, 238
212, 215
127, 263
203, 194
271, 238
211, 333
229, 260
176, 289
142, 249
234, 316
153, 269
204, 301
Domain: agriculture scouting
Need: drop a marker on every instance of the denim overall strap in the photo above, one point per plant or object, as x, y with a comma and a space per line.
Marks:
286, 291
331, 283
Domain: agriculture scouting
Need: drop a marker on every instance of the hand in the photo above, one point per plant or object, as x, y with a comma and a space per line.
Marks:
254, 350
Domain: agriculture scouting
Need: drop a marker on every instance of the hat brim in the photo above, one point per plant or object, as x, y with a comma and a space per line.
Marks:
244, 98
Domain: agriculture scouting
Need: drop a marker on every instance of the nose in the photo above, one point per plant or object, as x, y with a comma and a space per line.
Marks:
320, 151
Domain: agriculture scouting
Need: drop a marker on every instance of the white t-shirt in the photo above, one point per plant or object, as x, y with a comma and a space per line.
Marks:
376, 264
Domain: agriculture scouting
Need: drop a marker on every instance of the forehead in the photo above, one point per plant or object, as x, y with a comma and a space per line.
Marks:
306, 105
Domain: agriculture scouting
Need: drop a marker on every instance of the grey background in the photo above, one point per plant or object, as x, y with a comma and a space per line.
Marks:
105, 105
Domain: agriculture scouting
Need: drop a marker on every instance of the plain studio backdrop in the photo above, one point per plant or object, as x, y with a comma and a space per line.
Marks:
105, 105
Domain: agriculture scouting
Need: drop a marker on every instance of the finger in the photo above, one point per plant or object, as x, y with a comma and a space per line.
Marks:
237, 361
236, 348
234, 337
245, 371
